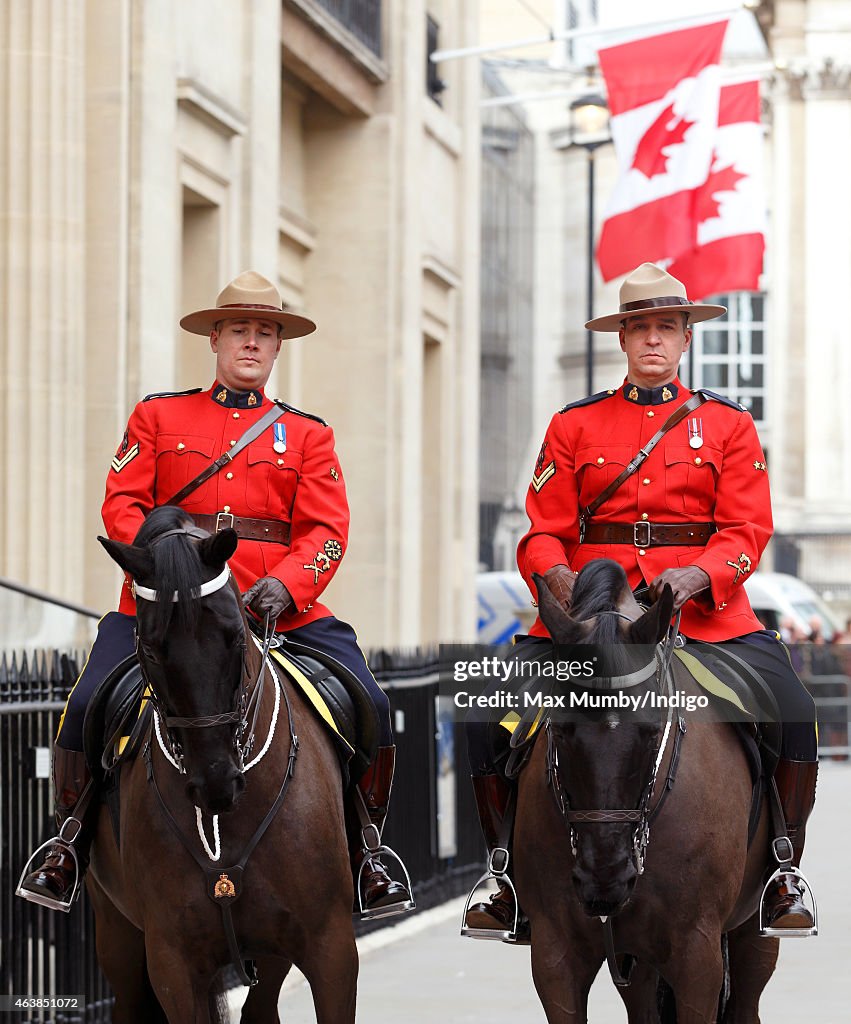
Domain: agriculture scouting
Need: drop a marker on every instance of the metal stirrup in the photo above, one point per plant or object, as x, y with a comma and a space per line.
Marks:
766, 930
497, 870
53, 902
373, 848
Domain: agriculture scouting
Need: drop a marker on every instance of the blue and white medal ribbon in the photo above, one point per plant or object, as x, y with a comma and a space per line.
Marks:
280, 444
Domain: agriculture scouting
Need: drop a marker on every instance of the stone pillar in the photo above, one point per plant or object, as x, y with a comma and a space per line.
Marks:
108, 121
42, 293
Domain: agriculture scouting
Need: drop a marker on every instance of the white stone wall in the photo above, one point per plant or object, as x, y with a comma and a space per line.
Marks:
153, 151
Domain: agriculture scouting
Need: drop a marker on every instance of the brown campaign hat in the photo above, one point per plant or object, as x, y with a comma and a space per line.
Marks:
249, 295
649, 289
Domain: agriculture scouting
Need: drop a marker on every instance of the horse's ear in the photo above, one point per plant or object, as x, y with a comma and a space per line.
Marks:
216, 550
562, 628
653, 625
135, 561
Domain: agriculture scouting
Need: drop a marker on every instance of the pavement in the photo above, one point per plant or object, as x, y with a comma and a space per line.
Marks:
422, 972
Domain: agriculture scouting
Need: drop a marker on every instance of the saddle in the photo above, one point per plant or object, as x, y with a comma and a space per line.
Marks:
339, 698
118, 717
754, 714
726, 676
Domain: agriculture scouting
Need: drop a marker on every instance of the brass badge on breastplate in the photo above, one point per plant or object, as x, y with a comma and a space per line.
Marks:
224, 887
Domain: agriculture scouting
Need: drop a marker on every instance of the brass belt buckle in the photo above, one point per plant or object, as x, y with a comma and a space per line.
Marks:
224, 526
641, 534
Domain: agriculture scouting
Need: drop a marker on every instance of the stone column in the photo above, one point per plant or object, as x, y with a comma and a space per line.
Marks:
42, 293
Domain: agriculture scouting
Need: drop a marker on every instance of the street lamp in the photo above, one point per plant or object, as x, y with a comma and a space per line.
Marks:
589, 128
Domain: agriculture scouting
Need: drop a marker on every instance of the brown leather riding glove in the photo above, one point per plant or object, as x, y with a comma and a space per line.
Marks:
267, 596
561, 582
686, 583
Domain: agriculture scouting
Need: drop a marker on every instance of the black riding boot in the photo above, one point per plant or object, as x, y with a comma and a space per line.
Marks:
497, 913
784, 902
380, 895
55, 881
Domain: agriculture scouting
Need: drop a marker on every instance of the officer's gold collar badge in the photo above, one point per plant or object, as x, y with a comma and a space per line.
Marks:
235, 399
650, 396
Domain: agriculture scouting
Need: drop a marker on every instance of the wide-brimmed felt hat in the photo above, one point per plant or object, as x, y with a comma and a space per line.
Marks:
249, 295
649, 289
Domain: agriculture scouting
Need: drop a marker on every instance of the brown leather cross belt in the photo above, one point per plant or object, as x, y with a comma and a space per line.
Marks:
644, 534
246, 529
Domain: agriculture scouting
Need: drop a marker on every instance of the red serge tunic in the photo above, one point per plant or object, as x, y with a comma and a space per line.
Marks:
588, 444
171, 438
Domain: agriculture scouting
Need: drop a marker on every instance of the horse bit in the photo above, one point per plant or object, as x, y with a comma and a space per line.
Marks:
228, 886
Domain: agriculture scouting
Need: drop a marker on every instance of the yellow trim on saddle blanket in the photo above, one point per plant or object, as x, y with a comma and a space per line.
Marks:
709, 682
312, 694
512, 720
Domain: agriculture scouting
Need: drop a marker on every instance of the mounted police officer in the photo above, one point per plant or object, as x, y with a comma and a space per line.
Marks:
285, 497
697, 516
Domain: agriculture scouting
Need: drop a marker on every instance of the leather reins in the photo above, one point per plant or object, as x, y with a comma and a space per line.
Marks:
224, 887
640, 816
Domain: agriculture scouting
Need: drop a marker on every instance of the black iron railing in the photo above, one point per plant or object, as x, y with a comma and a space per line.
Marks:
44, 952
361, 17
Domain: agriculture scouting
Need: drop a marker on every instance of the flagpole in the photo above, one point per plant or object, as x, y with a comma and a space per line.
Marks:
589, 119
589, 340
578, 33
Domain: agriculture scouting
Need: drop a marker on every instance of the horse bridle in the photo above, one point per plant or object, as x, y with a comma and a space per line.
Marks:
245, 704
642, 815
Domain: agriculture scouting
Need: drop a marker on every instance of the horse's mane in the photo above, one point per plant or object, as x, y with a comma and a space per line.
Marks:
177, 567
599, 588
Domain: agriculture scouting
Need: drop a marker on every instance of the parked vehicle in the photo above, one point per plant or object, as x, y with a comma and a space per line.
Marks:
776, 596
504, 606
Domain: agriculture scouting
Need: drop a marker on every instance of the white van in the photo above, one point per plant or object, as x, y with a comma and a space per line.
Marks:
776, 595
504, 607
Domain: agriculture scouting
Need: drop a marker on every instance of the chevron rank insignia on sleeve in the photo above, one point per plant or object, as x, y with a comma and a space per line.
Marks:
119, 463
539, 479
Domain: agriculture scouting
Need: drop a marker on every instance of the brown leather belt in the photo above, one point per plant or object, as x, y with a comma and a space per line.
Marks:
644, 534
246, 529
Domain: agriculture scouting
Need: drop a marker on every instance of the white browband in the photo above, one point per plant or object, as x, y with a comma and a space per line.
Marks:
210, 587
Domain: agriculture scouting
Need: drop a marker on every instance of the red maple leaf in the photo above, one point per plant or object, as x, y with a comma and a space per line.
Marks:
706, 206
649, 158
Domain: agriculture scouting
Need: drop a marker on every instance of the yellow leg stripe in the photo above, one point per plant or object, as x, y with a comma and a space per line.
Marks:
74, 687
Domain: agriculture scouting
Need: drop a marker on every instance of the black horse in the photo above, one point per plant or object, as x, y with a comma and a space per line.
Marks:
228, 734
589, 846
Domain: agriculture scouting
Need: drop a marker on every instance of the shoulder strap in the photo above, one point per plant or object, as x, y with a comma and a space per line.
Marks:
251, 434
639, 457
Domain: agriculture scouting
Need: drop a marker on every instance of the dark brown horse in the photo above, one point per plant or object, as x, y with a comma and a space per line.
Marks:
670, 896
226, 744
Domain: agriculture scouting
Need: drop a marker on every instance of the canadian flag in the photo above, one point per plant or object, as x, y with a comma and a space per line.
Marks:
664, 93
731, 203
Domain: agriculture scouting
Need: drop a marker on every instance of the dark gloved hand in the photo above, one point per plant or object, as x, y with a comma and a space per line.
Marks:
268, 595
561, 582
685, 583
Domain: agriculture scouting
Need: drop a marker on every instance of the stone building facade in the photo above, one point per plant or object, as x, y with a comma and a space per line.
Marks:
154, 150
